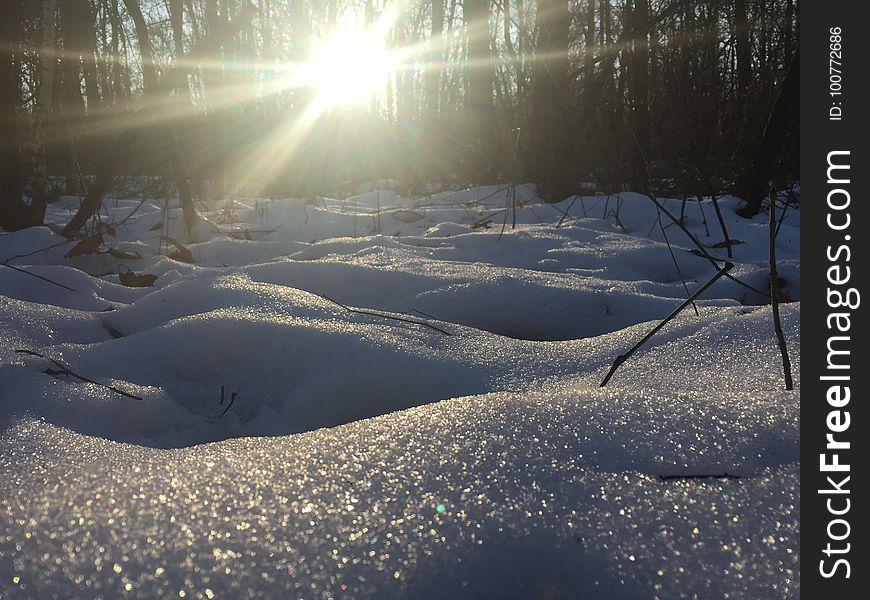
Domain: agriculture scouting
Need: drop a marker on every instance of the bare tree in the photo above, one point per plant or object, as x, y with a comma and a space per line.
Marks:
434, 68
783, 118
480, 89
549, 121
14, 214
639, 70
637, 93
44, 98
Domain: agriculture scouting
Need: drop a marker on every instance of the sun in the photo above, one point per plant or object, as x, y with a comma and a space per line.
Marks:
350, 68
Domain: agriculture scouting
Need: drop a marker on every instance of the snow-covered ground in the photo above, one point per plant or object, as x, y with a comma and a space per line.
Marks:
493, 465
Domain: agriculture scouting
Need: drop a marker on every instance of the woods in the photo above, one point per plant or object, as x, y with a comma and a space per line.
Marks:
409, 298
662, 96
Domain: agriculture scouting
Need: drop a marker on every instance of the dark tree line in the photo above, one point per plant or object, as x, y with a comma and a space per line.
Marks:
667, 96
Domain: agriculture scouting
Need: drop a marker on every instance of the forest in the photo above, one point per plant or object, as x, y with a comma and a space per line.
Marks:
413, 299
668, 96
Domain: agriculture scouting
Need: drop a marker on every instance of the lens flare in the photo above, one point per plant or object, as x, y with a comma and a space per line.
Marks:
349, 68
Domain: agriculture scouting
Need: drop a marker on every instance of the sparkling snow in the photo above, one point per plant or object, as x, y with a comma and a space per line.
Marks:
365, 456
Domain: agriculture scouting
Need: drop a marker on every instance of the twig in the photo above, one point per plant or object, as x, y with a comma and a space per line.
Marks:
425, 314
676, 264
26, 254
703, 215
774, 296
702, 249
481, 221
699, 476
383, 315
232, 399
507, 209
567, 210
65, 370
512, 192
132, 212
616, 212
722, 225
623, 357
480, 199
782, 217
46, 279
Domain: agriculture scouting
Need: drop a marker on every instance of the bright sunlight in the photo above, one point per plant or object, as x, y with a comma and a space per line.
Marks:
349, 68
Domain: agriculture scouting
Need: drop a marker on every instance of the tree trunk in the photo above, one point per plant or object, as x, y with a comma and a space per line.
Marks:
88, 49
149, 71
522, 58
176, 18
639, 90
369, 16
108, 167
784, 115
119, 91
153, 94
179, 70
743, 50
430, 156
549, 124
14, 214
589, 47
44, 97
480, 90
103, 179
72, 101
436, 53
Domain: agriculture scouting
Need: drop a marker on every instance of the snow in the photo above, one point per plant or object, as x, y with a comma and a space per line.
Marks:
465, 450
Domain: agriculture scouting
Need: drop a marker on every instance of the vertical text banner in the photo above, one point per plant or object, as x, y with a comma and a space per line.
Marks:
835, 179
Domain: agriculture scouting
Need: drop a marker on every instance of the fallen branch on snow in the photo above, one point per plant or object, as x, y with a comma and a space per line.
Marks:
65, 370
699, 476
46, 279
624, 357
373, 313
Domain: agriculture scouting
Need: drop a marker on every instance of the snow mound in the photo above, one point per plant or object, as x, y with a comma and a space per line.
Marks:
508, 493
411, 404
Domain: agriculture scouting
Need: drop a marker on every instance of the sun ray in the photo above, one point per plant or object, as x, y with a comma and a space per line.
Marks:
352, 65
345, 71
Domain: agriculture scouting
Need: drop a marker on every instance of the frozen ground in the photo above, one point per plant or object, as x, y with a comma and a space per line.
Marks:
494, 465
